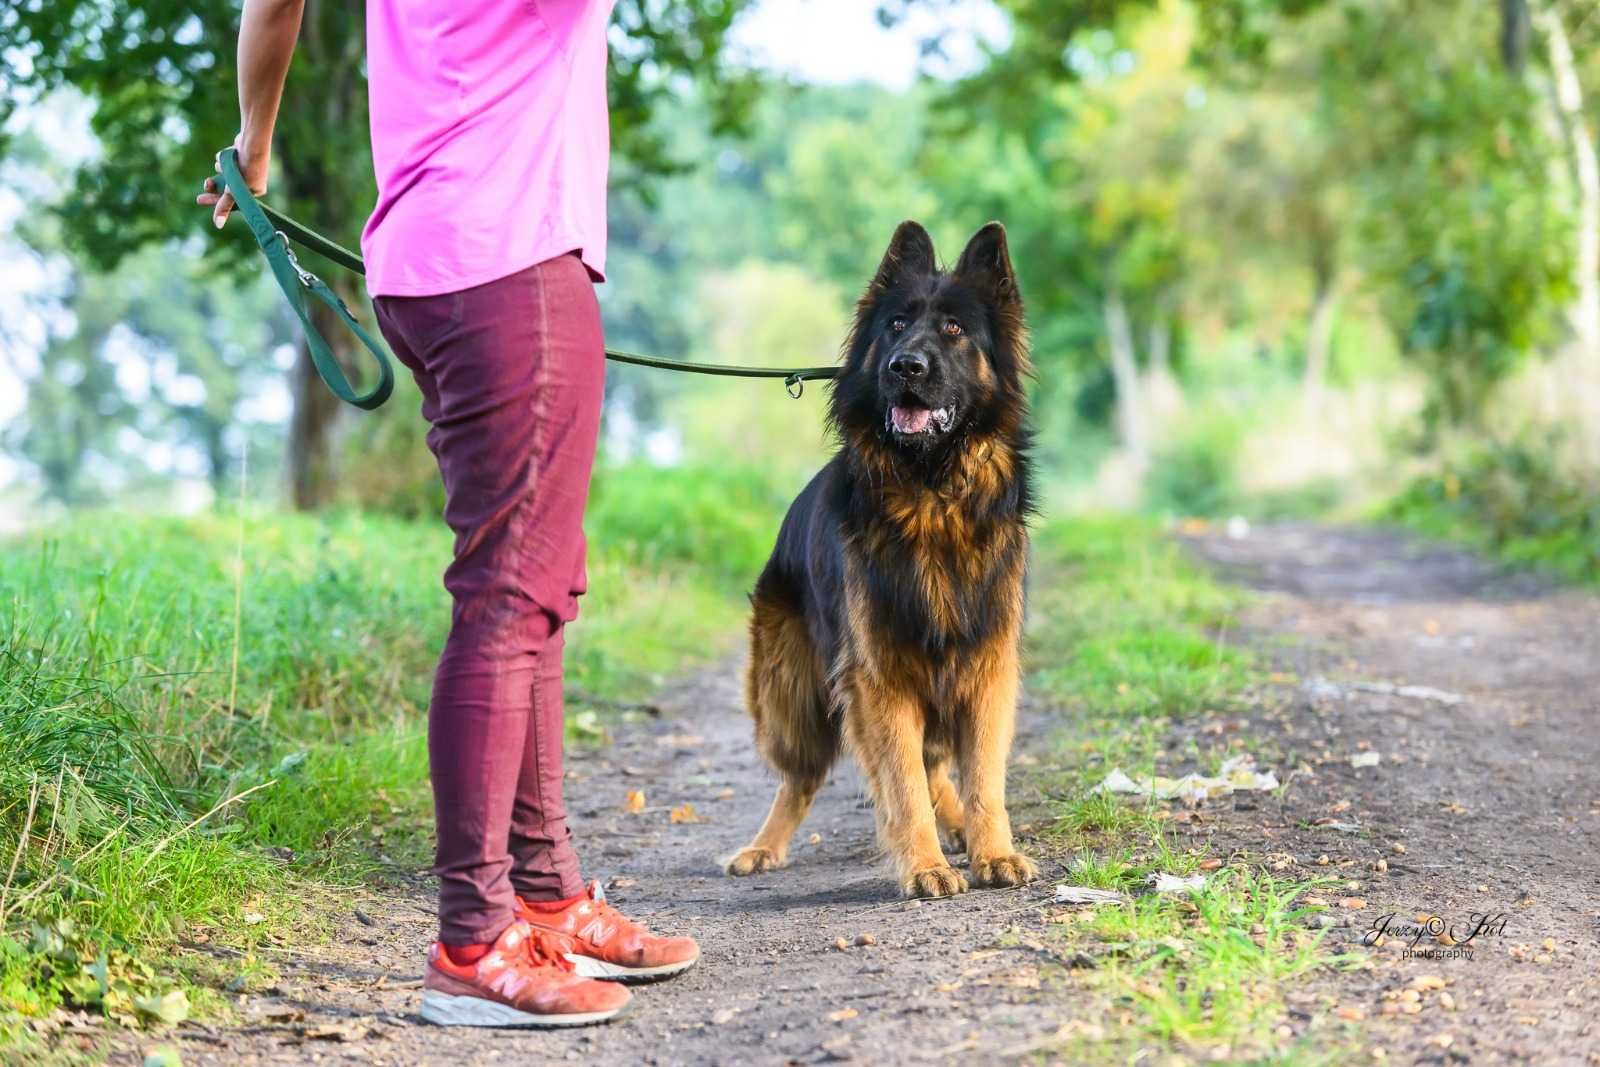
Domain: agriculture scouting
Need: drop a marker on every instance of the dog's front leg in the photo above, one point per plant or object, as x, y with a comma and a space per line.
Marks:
984, 731
885, 730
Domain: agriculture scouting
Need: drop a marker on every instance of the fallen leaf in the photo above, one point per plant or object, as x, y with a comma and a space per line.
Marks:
624, 883
842, 1014
336, 1032
948, 987
1210, 865
1352, 1014
841, 944
680, 741
723, 1017
1365, 759
814, 839
1352, 903
1171, 883
1077, 894
1428, 982
725, 794
170, 1008
254, 918
635, 802
862, 940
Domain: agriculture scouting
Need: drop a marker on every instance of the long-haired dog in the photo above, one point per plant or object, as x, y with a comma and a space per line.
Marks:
890, 613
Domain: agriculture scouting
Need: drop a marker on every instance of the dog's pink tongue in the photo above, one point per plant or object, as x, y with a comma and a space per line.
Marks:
910, 420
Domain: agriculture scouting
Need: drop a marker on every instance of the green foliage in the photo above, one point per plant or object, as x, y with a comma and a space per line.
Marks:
1193, 473
1126, 626
1515, 499
60, 965
723, 519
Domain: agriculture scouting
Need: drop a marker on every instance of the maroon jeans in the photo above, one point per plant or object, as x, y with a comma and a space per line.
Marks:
511, 374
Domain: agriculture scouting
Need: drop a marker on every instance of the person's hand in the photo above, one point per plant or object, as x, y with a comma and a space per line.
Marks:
253, 165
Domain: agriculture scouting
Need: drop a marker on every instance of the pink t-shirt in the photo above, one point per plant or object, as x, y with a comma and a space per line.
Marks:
490, 139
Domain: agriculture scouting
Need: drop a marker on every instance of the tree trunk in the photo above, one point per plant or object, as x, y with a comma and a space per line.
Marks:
1514, 35
1160, 345
313, 428
1131, 426
1568, 94
1319, 332
332, 41
1163, 399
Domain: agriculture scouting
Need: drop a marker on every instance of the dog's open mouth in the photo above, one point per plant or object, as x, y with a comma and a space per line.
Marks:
911, 418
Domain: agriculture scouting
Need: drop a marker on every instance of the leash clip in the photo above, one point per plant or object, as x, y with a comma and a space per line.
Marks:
306, 277
794, 385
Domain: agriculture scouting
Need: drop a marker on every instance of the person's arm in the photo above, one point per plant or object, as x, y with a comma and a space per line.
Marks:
267, 33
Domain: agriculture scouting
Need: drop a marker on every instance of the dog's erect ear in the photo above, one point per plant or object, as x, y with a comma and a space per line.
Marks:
986, 262
910, 252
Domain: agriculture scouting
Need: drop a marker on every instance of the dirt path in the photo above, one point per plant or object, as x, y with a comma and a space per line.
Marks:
1490, 786
1494, 798
772, 987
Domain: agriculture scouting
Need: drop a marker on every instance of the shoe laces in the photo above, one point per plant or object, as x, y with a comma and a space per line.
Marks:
601, 907
543, 950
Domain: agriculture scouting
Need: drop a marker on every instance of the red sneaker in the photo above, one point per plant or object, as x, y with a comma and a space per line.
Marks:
603, 943
524, 980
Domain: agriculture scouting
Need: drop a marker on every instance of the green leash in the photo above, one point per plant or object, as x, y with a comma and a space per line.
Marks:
274, 231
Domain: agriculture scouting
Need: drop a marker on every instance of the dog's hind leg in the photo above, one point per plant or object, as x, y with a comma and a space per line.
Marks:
770, 849
794, 731
947, 810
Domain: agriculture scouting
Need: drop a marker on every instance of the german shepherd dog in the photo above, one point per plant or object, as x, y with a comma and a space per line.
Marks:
889, 615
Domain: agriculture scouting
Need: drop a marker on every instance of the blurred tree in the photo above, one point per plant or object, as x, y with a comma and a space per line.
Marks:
1481, 190
163, 76
152, 353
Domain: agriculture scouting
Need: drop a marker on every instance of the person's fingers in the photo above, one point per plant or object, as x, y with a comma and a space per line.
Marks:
219, 215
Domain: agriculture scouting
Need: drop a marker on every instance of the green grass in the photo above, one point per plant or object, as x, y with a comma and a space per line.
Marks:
169, 763
1130, 636
1512, 500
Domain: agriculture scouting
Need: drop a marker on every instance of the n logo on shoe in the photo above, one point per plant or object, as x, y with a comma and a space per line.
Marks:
596, 932
507, 983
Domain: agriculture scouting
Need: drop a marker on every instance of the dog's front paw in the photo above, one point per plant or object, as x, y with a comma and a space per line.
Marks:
940, 881
1015, 869
753, 860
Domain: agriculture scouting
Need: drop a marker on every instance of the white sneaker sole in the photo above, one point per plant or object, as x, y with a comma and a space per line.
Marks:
589, 967
442, 1009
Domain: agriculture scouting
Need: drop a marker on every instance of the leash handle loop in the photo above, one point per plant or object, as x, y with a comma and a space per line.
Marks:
297, 283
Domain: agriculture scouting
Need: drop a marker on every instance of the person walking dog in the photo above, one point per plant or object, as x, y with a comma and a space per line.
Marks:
490, 142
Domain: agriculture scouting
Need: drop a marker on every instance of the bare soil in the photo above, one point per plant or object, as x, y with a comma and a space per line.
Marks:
1494, 798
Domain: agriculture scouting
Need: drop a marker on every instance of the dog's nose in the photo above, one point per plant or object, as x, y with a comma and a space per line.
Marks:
909, 365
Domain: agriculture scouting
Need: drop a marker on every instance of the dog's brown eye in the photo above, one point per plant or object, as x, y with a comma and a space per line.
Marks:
897, 324
952, 328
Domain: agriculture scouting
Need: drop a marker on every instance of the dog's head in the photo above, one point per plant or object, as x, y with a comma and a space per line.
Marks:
935, 356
